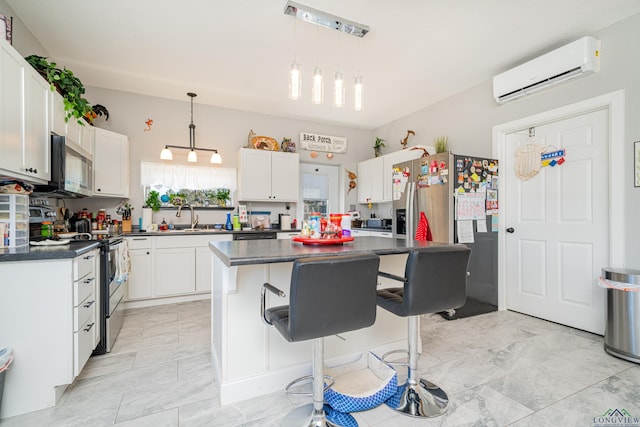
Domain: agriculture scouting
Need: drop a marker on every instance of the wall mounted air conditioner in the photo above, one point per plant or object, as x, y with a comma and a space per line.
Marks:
579, 58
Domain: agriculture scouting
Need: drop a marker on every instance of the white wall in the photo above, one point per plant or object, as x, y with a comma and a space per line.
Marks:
468, 118
23, 40
221, 128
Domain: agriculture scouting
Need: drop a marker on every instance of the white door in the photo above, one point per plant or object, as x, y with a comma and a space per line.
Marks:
560, 225
319, 189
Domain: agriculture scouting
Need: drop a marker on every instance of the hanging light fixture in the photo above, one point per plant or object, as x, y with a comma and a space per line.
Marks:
317, 93
192, 157
295, 83
338, 91
358, 93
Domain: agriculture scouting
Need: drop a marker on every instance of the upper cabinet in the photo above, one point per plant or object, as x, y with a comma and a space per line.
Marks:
374, 175
268, 176
110, 164
370, 180
24, 119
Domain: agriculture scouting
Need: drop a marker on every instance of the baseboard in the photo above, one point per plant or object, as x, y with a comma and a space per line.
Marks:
166, 300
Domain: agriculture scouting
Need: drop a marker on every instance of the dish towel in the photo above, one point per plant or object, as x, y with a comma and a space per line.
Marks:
423, 231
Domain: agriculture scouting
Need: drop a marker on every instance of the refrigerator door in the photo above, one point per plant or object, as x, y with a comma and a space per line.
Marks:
402, 206
434, 195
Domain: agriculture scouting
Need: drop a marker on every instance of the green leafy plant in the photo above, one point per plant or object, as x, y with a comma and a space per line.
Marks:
153, 201
378, 146
69, 86
222, 196
441, 144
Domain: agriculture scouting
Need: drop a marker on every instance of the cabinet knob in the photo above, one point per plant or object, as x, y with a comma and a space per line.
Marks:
89, 326
99, 189
147, 252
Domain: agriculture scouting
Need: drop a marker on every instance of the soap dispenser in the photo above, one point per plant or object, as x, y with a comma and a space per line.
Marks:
228, 225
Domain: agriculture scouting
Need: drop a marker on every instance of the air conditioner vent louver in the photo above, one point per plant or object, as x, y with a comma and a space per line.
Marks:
576, 59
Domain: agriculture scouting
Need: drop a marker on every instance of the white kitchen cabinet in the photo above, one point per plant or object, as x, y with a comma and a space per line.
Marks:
47, 313
385, 234
360, 233
177, 273
37, 138
85, 309
80, 135
374, 176
57, 114
140, 284
24, 119
370, 178
110, 164
12, 67
170, 266
268, 176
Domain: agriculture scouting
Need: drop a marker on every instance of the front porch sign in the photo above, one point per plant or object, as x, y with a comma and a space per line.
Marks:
315, 142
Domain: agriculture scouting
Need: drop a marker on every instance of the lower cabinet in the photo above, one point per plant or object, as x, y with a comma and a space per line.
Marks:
177, 271
171, 265
48, 313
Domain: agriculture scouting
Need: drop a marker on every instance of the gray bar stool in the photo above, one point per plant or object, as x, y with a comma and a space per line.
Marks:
328, 295
435, 280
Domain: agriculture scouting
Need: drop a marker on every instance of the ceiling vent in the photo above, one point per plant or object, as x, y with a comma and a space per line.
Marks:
577, 59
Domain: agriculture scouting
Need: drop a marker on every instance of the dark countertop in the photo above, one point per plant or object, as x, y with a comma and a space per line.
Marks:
35, 253
236, 253
206, 231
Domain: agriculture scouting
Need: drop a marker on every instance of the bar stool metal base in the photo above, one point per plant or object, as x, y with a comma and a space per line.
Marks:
422, 400
305, 416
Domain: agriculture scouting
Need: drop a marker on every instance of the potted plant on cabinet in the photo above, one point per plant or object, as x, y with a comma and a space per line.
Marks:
69, 86
378, 146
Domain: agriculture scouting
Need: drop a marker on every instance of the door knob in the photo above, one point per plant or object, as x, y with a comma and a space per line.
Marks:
510, 230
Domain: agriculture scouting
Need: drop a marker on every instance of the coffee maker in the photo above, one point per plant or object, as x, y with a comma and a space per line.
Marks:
38, 215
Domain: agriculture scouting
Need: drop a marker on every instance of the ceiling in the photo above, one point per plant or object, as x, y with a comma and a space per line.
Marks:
237, 54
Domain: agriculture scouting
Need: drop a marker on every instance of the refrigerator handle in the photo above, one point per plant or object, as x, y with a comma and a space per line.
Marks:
410, 216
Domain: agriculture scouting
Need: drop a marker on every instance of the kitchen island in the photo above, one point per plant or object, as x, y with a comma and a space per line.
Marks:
252, 359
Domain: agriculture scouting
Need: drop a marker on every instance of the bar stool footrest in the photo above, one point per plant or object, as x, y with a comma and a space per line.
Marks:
328, 379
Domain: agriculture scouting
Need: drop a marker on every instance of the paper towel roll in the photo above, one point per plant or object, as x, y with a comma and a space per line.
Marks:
146, 218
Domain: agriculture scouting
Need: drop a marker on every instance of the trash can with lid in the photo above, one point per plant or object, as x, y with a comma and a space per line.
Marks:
622, 333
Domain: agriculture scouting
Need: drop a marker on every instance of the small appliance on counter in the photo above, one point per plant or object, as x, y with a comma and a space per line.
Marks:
260, 219
285, 221
37, 216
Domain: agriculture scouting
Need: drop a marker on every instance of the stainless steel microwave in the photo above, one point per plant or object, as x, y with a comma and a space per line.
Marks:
71, 171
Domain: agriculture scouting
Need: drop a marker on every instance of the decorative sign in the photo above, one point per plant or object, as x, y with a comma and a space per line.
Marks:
552, 158
315, 142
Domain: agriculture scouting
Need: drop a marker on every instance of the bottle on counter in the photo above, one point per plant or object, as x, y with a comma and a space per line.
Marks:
228, 225
46, 230
94, 222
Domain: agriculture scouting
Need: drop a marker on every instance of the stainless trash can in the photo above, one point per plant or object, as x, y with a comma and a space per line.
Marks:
622, 333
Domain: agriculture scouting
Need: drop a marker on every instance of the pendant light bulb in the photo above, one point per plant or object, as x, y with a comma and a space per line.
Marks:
166, 154
295, 83
192, 157
358, 94
317, 94
338, 91
215, 159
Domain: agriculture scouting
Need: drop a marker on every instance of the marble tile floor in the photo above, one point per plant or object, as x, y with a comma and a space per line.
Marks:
499, 369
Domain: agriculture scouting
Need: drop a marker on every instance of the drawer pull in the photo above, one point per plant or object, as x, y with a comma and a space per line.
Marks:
139, 238
89, 304
89, 257
89, 280
89, 326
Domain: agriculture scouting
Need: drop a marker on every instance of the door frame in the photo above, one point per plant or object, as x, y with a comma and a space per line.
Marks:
614, 102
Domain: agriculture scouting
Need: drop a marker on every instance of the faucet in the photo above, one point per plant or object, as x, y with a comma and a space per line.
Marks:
194, 219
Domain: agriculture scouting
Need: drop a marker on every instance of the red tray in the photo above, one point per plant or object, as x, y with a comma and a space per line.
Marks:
310, 241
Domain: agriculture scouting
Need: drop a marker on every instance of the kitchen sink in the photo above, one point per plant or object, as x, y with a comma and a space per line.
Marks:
196, 230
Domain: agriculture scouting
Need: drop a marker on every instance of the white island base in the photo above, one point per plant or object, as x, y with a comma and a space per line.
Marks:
252, 359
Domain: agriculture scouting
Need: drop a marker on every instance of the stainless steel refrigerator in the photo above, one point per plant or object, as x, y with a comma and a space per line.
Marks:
429, 185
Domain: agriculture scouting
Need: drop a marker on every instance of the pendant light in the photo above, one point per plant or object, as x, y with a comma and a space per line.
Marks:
295, 83
317, 92
338, 91
358, 93
192, 157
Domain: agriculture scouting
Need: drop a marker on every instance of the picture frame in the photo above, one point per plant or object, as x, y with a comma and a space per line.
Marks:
6, 27
636, 164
